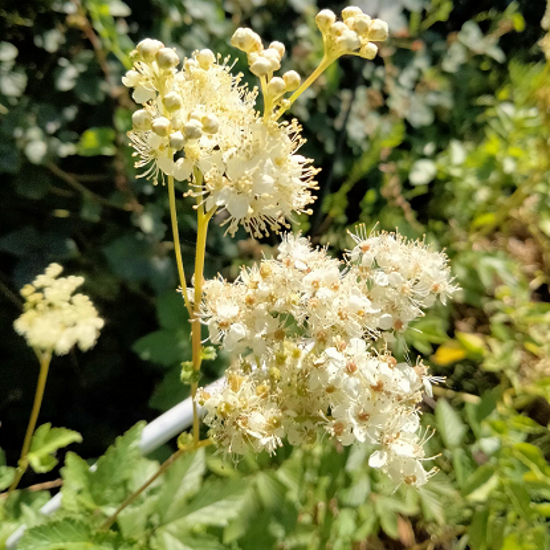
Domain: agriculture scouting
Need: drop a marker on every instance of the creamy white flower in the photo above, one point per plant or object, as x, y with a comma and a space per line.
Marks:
55, 319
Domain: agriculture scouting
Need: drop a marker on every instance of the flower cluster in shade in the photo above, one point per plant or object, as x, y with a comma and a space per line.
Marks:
54, 318
198, 123
308, 332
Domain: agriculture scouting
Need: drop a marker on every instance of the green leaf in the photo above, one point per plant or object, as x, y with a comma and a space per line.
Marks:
481, 483
477, 531
171, 311
217, 503
180, 483
450, 424
97, 141
46, 441
61, 535
164, 347
111, 479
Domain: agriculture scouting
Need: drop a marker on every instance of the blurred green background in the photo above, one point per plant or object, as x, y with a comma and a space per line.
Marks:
445, 135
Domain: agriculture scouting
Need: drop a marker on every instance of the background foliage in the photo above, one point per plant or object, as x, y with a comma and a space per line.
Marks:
447, 135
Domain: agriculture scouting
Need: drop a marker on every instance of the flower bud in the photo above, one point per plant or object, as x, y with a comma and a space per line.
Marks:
338, 28
172, 101
368, 50
324, 19
351, 11
292, 80
276, 86
148, 49
378, 30
210, 124
349, 41
361, 23
192, 129
246, 40
177, 141
167, 58
161, 126
206, 59
273, 57
141, 120
279, 46
195, 114
261, 66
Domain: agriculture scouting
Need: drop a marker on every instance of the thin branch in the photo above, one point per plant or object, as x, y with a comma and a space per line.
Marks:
75, 184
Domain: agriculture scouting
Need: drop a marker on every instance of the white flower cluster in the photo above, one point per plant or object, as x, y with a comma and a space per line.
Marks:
198, 123
55, 319
355, 34
305, 326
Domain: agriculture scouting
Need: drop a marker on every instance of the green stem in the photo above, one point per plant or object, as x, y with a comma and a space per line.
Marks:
177, 246
44, 358
196, 341
165, 465
325, 62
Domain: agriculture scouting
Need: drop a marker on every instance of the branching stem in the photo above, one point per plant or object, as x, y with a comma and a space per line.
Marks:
165, 465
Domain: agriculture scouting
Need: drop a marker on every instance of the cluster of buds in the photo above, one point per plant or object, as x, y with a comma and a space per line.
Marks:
310, 332
355, 34
263, 62
55, 319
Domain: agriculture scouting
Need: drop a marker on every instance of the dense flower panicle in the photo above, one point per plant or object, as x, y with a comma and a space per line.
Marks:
306, 328
55, 319
200, 124
384, 283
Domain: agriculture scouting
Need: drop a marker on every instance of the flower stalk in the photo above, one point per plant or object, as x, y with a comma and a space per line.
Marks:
44, 358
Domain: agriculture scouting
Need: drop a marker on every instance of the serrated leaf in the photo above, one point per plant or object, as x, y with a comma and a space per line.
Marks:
449, 424
430, 502
61, 535
180, 483
217, 503
46, 441
109, 483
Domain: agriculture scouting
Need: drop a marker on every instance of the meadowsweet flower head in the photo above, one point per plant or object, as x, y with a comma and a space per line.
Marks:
307, 330
55, 319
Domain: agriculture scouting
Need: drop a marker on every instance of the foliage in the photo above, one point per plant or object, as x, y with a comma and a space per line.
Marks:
447, 138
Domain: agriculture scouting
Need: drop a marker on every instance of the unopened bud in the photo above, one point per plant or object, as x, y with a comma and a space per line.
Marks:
273, 57
338, 28
324, 19
260, 67
368, 50
206, 59
246, 40
131, 79
349, 41
161, 126
292, 80
351, 11
361, 23
210, 124
167, 58
172, 101
193, 129
177, 141
276, 86
141, 120
190, 64
148, 49
378, 30
279, 46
